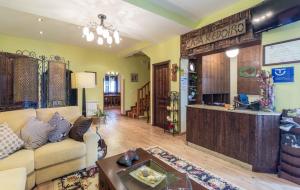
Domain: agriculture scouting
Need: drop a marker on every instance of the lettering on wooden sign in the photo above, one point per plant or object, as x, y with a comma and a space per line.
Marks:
226, 32
233, 31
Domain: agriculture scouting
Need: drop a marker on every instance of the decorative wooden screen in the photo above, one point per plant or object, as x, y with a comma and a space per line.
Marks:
25, 80
6, 86
57, 91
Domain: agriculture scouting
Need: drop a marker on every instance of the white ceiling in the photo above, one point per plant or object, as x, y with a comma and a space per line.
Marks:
16, 23
63, 19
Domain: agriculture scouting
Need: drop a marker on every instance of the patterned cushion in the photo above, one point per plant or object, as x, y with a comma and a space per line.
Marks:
35, 133
9, 141
62, 128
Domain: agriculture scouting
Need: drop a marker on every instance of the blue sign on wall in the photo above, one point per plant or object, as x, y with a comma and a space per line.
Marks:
284, 74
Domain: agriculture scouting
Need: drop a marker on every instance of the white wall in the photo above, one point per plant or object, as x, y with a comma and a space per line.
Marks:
183, 93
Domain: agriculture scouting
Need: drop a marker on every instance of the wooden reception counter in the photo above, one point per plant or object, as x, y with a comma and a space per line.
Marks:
244, 135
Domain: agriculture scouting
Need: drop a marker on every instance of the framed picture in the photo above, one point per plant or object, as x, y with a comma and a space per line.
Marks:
284, 52
95, 75
134, 77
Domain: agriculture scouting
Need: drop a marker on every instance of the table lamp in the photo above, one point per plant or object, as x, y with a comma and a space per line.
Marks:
83, 80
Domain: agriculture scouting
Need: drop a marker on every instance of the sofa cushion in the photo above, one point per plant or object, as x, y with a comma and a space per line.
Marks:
70, 113
35, 133
61, 128
55, 153
17, 119
9, 141
13, 179
81, 126
22, 158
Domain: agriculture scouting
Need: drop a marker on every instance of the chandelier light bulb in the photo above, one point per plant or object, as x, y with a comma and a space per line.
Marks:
117, 40
86, 30
90, 37
116, 34
101, 33
99, 30
109, 40
105, 33
100, 41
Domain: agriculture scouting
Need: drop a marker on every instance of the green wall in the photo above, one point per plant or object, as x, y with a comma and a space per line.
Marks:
87, 59
287, 95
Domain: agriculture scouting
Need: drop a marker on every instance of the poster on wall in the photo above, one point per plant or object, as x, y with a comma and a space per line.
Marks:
282, 52
282, 75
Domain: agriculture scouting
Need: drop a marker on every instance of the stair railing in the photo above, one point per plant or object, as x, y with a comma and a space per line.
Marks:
143, 99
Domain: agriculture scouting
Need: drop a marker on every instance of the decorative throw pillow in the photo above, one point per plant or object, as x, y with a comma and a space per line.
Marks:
62, 128
9, 141
35, 133
81, 126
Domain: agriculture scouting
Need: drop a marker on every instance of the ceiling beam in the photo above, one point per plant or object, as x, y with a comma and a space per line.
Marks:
171, 15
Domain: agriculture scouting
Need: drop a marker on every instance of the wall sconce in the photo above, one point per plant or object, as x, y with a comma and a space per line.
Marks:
232, 53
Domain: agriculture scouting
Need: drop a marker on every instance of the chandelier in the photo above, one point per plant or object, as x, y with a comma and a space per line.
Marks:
101, 32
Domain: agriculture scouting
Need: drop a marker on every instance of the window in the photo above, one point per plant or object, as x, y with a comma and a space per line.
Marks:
111, 84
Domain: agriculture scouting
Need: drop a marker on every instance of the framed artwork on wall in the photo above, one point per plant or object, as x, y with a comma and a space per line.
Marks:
284, 52
134, 77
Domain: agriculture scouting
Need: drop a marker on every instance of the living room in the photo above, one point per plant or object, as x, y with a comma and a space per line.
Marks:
158, 94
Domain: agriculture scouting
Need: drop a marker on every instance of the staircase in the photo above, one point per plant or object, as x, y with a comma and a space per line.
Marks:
142, 105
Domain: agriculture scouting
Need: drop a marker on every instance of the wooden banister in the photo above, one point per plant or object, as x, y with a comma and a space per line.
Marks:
143, 99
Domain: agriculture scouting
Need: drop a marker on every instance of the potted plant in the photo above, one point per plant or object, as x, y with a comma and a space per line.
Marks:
99, 116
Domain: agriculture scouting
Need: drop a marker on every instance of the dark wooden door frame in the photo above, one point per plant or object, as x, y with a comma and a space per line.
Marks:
153, 86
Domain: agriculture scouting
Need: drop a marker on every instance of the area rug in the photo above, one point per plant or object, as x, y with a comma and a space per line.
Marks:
199, 175
87, 179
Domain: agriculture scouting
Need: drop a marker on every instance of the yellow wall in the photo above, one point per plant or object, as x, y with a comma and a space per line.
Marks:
85, 59
287, 95
168, 50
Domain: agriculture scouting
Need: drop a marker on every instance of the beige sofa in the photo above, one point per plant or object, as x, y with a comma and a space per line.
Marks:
13, 179
53, 159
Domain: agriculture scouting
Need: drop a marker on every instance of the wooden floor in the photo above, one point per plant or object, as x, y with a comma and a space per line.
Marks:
122, 133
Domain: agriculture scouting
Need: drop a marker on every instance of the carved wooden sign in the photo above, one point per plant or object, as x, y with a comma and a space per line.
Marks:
232, 30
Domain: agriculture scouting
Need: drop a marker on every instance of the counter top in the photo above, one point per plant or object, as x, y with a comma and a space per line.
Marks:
219, 108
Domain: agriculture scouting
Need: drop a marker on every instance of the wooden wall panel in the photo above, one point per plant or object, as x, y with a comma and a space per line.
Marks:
215, 74
249, 57
250, 138
241, 40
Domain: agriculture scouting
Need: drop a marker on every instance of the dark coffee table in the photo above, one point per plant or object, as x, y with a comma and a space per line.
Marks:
108, 171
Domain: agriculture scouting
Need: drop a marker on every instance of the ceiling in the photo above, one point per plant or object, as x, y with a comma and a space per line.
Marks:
137, 21
193, 9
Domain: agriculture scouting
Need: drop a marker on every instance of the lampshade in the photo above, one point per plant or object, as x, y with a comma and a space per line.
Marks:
83, 80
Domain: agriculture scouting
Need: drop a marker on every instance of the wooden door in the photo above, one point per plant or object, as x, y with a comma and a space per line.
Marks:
249, 63
161, 88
